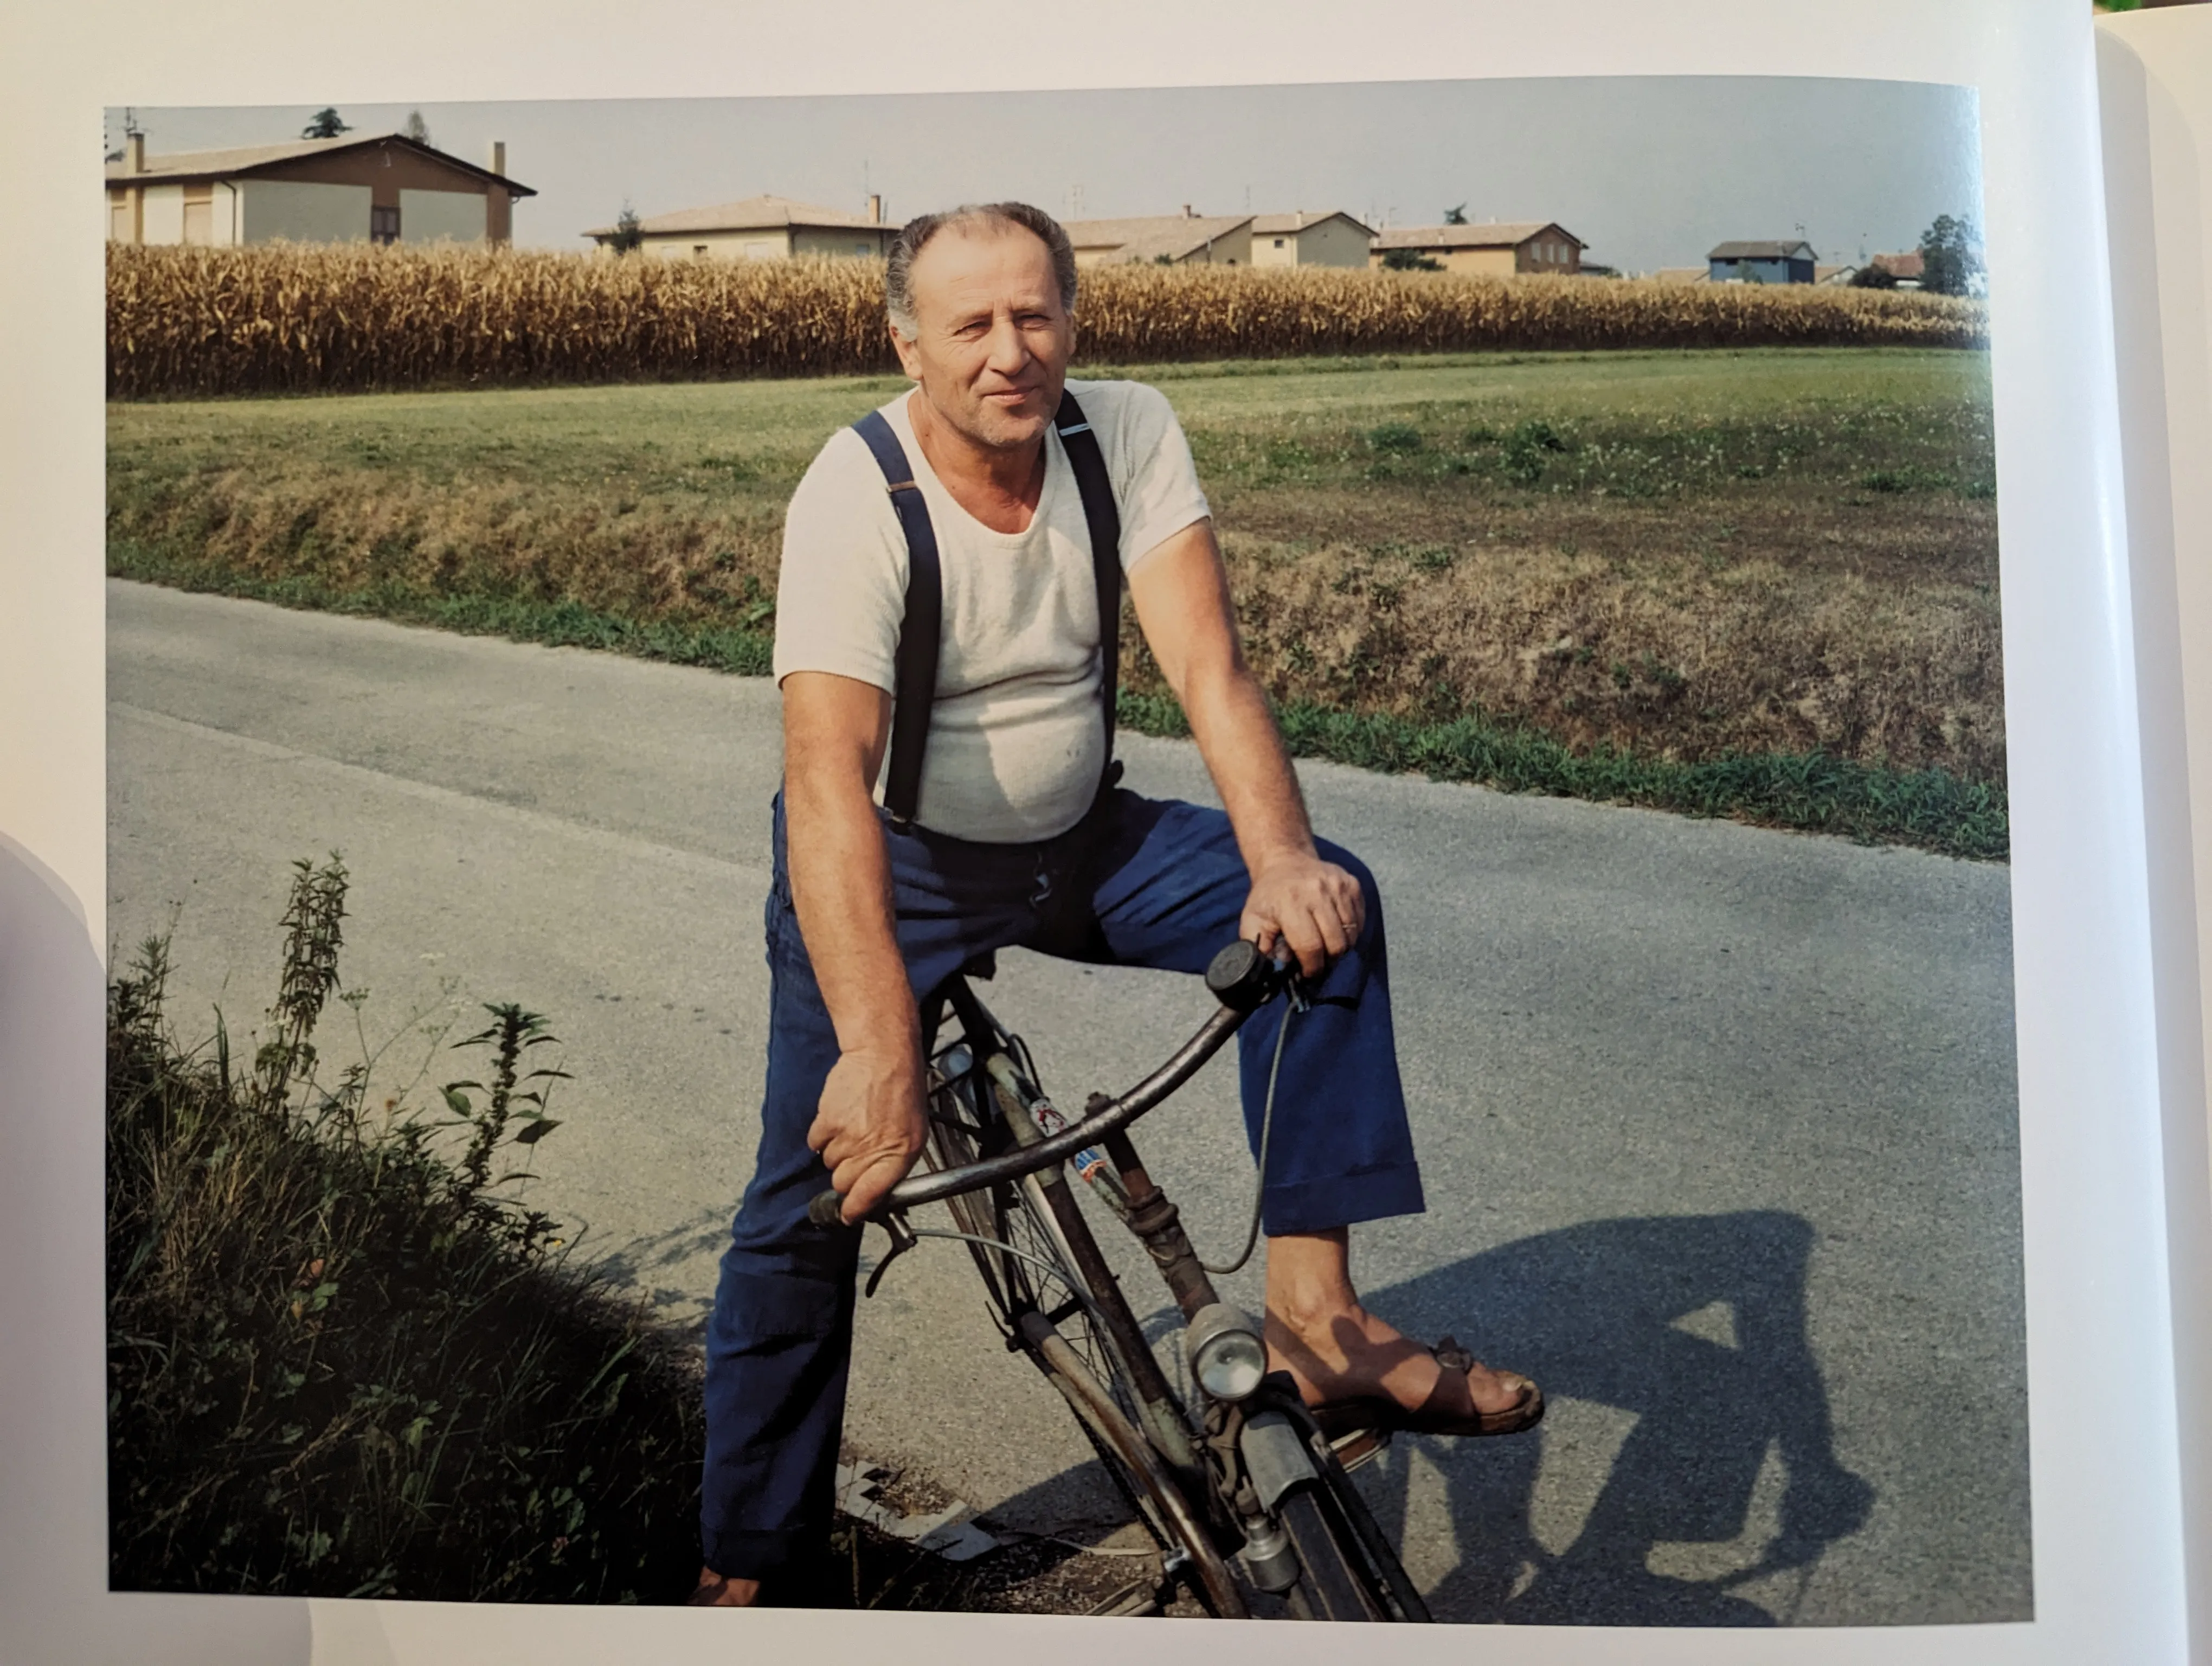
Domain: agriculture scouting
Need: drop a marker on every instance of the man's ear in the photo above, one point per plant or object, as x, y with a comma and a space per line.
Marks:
909, 361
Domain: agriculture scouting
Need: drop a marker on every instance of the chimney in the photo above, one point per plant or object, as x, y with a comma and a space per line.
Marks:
1189, 213
134, 147
875, 208
498, 207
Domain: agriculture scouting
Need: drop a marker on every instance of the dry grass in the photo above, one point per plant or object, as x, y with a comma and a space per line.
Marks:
1679, 555
316, 318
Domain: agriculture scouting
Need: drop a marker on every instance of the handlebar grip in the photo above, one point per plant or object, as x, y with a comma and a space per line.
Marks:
827, 1209
1241, 978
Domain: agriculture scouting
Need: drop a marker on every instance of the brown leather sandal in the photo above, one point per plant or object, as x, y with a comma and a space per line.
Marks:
1375, 1417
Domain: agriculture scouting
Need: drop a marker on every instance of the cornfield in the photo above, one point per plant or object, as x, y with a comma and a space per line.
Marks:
299, 318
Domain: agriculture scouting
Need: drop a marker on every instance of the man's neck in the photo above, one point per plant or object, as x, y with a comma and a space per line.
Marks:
1000, 487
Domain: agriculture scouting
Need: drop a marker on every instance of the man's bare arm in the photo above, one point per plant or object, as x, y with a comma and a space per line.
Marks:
1182, 595
869, 1127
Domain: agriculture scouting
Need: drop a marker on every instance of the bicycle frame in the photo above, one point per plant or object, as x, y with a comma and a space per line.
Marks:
1237, 1461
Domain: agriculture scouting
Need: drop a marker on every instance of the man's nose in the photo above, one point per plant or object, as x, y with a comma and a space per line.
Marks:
1009, 352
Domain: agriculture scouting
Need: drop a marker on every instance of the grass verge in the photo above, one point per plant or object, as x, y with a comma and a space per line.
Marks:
561, 623
1809, 792
1758, 583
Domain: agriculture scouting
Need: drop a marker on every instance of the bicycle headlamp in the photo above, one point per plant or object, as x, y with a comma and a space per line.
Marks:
1227, 1355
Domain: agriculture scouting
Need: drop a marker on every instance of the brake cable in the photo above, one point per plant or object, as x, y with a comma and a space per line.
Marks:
1293, 1002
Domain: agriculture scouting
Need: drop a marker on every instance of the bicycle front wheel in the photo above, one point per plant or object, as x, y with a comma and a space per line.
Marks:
1030, 1275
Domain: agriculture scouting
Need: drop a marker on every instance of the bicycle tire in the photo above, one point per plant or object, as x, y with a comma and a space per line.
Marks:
1014, 1215
1095, 1410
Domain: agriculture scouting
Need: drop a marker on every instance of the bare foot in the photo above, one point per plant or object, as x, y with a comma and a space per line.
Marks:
716, 1591
1347, 1353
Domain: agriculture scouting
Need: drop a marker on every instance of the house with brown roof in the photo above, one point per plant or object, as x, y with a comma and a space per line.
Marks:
1908, 268
372, 188
761, 228
1493, 249
1187, 238
1330, 238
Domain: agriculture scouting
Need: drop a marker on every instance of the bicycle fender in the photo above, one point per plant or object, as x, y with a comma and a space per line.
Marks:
1275, 1456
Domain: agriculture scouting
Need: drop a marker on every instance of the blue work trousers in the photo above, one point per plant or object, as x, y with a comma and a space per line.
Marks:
1140, 882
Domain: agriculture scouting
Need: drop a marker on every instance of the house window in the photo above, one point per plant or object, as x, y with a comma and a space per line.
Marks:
861, 248
1278, 242
698, 250
118, 217
384, 224
760, 251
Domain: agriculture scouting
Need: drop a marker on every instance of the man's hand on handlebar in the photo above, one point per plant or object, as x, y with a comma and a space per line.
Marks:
1312, 907
869, 1126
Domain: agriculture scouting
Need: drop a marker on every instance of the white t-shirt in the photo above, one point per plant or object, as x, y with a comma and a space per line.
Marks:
1017, 739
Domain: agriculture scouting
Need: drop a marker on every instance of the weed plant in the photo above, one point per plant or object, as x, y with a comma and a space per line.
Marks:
344, 1358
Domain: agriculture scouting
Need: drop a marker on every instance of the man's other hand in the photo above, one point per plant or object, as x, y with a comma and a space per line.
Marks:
869, 1126
1312, 907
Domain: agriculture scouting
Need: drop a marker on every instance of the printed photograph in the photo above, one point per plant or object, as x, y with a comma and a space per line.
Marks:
1228, 851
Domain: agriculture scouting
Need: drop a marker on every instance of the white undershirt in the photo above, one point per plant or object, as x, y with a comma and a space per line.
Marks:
1016, 737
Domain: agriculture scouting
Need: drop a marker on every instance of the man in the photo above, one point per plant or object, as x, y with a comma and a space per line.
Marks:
1016, 838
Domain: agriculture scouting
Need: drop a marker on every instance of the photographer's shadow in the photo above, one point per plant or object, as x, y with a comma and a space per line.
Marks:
1692, 1327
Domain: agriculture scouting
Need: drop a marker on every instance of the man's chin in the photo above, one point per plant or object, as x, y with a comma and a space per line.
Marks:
1008, 427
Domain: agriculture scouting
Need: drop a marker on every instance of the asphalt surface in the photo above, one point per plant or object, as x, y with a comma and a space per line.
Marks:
1717, 1124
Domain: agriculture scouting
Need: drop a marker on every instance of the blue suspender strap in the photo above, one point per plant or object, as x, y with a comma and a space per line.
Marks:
916, 665
1104, 521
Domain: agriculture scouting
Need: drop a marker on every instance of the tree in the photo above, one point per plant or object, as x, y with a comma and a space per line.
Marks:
1410, 260
1948, 261
325, 125
415, 128
1456, 216
628, 234
1874, 275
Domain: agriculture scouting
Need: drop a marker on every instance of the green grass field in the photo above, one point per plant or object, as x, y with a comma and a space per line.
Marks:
1683, 560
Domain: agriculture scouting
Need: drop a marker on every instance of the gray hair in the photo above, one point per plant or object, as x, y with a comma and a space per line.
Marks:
915, 235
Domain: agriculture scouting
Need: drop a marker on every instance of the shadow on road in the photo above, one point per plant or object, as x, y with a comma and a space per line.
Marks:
1695, 1328
1683, 1341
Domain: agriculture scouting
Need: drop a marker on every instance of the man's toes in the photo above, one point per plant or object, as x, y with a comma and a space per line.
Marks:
1496, 1391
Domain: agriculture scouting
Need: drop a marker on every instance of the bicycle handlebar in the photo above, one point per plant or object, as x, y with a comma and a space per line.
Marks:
1240, 976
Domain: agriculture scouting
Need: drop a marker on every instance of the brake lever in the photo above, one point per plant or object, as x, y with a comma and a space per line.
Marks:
902, 1239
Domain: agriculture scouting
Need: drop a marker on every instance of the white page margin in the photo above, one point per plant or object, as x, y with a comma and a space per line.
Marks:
2107, 1538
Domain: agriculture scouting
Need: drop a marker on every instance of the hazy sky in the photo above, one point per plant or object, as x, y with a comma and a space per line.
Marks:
1649, 171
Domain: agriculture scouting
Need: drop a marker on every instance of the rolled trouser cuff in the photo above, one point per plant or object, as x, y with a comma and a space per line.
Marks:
1346, 1200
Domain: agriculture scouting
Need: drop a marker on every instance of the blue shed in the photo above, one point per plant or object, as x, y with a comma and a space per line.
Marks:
1761, 263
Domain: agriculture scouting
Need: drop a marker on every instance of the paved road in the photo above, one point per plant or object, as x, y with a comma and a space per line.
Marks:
1718, 1124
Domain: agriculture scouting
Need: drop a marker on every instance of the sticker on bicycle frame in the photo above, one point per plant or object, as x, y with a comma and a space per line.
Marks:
1048, 1117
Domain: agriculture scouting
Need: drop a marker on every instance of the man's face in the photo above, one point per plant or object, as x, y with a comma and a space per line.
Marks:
992, 340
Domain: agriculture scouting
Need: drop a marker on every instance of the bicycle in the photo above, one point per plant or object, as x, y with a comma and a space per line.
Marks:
1244, 1494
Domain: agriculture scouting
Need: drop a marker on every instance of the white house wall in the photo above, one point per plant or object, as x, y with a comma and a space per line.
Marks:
1231, 249
835, 242
1333, 243
442, 216
771, 244
227, 214
299, 211
165, 215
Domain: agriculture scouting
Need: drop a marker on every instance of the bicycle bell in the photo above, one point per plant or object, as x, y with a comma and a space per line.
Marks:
1227, 1355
